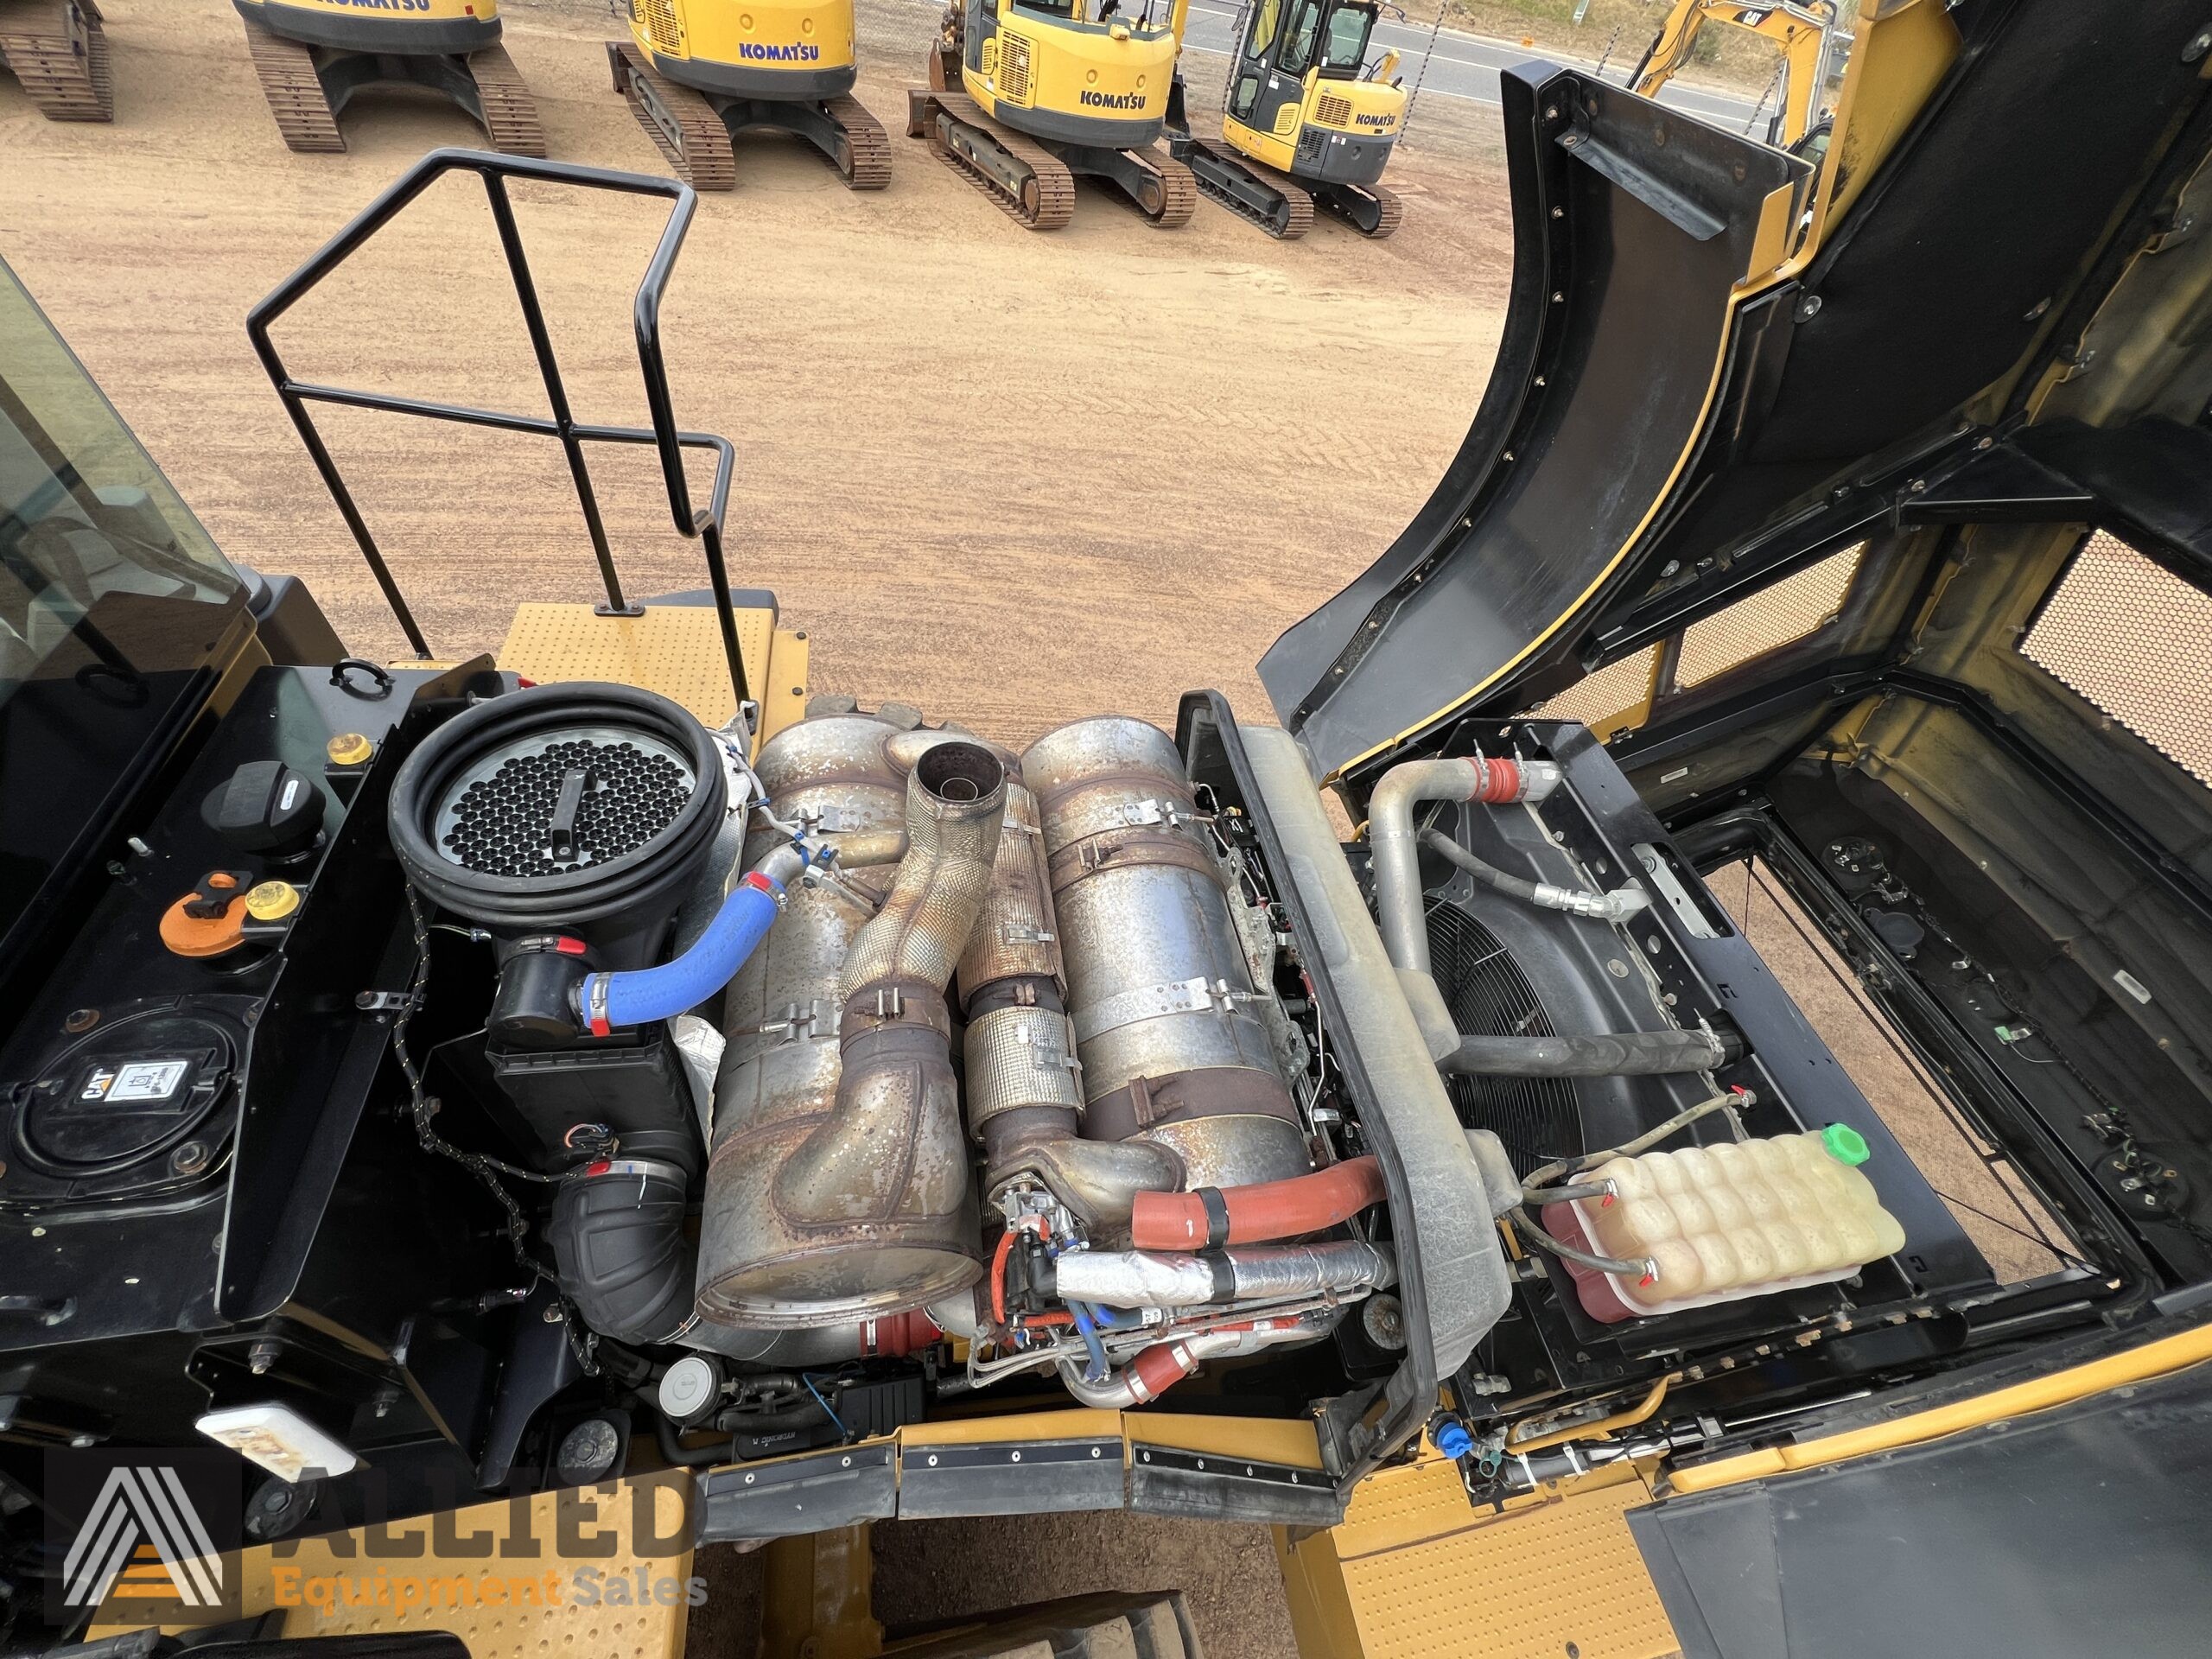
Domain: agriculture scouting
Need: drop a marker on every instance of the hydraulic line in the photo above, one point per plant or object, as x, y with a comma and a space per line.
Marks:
1644, 1271
1619, 1054
1649, 1138
1212, 1217
1605, 907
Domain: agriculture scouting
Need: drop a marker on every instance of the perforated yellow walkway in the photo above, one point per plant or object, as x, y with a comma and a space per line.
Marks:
675, 650
1413, 1573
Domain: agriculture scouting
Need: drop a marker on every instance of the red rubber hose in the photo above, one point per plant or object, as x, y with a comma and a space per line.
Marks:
1212, 1217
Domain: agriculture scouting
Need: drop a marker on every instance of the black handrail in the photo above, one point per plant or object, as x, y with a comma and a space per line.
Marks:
706, 526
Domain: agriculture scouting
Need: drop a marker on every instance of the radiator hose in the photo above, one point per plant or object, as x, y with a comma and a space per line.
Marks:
639, 997
1212, 1217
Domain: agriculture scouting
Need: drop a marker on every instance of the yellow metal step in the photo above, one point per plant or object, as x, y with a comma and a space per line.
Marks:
1413, 1573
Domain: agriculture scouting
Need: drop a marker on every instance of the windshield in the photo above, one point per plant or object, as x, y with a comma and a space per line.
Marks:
1344, 46
84, 512
115, 611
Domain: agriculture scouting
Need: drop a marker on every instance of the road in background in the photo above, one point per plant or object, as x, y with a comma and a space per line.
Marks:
1467, 65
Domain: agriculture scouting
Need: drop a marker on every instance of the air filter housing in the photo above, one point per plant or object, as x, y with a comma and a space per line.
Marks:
584, 810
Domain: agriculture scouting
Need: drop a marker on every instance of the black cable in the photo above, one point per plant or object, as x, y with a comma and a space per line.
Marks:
486, 1170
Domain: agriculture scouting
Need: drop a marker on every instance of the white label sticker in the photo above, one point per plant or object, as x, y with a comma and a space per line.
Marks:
2134, 986
291, 794
97, 1084
148, 1079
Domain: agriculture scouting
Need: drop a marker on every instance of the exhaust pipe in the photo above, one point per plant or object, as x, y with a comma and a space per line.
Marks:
1025, 1097
869, 1212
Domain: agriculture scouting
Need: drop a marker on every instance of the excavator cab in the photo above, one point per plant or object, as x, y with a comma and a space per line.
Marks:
1306, 120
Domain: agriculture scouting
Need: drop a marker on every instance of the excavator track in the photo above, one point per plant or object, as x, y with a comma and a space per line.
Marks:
1045, 198
687, 129
510, 112
64, 84
1294, 213
286, 70
867, 163
1369, 209
1179, 186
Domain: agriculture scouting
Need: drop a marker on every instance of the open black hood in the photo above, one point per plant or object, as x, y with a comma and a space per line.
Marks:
1722, 364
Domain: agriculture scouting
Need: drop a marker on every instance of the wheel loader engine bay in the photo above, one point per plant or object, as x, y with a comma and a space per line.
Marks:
767, 1096
621, 1061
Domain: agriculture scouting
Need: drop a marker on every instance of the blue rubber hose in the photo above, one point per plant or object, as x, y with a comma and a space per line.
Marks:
607, 1001
1096, 1371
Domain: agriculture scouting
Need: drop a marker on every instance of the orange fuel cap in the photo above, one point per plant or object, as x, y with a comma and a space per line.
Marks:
208, 920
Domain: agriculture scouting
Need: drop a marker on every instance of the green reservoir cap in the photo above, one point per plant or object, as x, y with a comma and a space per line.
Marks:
1844, 1144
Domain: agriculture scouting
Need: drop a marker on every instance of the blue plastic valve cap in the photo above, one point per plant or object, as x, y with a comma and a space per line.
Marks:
1453, 1440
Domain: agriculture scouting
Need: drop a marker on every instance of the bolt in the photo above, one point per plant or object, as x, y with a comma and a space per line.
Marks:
261, 1356
80, 1019
189, 1159
554, 1313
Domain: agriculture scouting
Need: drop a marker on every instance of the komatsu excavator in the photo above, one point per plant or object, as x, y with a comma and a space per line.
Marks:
313, 55
57, 50
699, 71
1024, 95
1803, 34
1306, 120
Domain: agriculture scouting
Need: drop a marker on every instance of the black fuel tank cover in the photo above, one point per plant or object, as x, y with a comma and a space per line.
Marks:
265, 807
124, 1094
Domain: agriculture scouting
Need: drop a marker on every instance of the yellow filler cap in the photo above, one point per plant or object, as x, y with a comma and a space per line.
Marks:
348, 749
272, 901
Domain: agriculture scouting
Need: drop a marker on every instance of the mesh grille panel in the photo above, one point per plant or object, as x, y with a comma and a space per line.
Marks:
1489, 996
1333, 111
1612, 689
1790, 609
659, 18
2135, 640
571, 803
1014, 67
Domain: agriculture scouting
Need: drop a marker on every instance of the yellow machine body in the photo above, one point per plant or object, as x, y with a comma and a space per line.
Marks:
1800, 30
399, 26
1368, 110
1072, 79
749, 48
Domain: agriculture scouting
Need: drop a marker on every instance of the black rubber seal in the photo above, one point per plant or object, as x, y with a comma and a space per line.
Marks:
644, 881
1217, 1209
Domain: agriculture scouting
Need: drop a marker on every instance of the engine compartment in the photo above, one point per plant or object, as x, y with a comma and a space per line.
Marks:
747, 1104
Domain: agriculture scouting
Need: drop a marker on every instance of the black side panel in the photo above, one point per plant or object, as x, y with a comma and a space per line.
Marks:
1936, 292
1632, 225
2074, 1531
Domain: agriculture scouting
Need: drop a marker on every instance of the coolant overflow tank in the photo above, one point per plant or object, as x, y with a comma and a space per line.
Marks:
1722, 1222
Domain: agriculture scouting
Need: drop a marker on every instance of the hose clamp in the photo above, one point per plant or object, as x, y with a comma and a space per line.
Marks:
595, 1004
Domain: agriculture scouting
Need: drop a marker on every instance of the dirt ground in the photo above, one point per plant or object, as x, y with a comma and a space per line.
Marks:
1012, 479
981, 466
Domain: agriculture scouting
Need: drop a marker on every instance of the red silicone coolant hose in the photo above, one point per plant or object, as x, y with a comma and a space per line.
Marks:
1212, 1217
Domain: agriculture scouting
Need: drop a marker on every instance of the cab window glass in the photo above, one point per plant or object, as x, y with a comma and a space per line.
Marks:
1265, 20
1343, 45
1304, 31
83, 514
